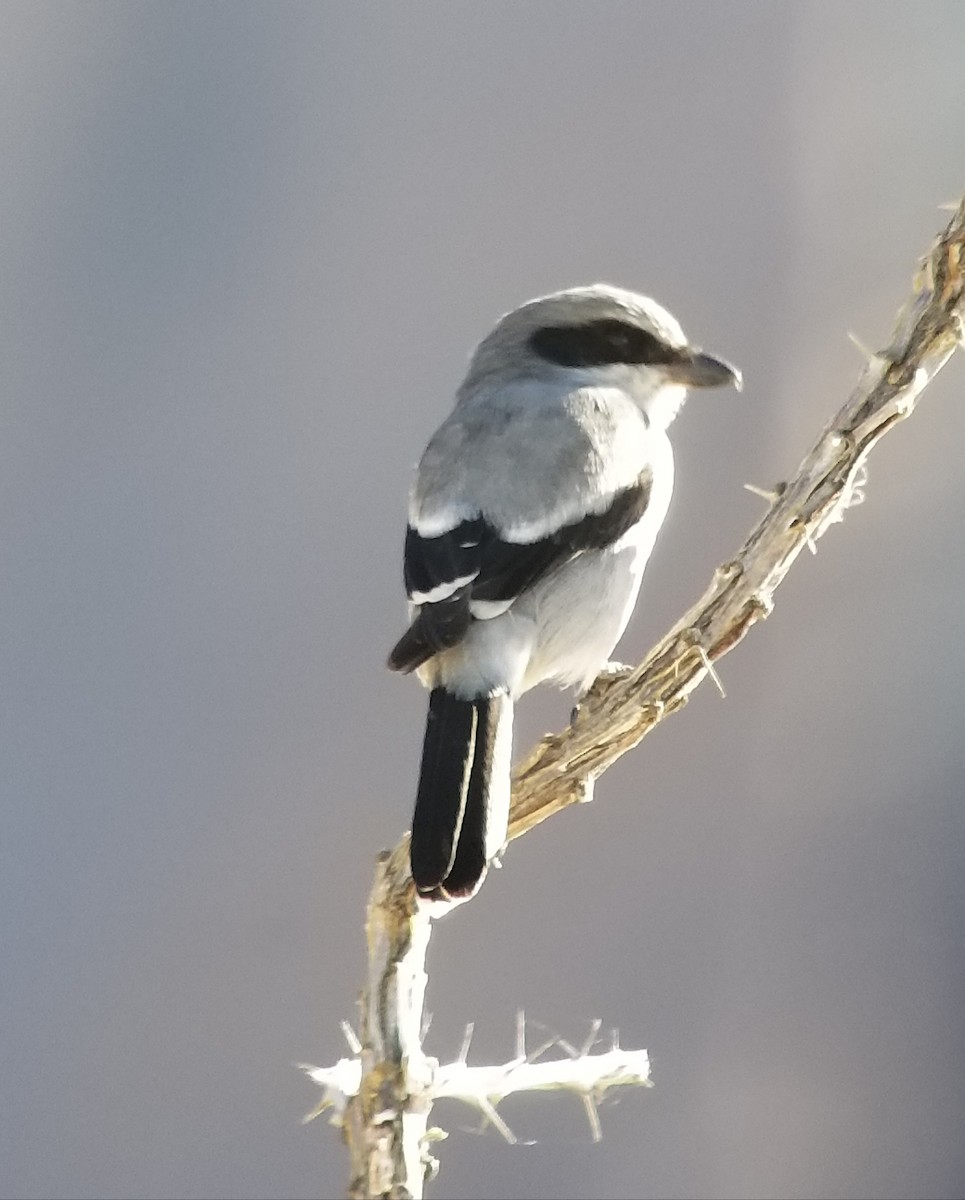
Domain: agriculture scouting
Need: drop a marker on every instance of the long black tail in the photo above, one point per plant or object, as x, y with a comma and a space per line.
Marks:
462, 804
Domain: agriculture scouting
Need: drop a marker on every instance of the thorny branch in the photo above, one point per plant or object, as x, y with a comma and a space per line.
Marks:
387, 1096
589, 1076
620, 711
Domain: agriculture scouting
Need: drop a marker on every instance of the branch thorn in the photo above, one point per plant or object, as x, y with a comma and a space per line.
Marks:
466, 1043
872, 357
520, 1036
771, 495
693, 635
568, 1048
593, 1116
493, 1118
591, 1037
351, 1037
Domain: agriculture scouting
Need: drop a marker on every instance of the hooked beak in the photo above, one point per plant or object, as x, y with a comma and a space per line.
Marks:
698, 370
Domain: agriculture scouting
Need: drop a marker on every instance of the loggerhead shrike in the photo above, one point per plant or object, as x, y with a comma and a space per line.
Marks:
534, 510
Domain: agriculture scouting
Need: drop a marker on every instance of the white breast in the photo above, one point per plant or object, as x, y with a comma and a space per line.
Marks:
581, 610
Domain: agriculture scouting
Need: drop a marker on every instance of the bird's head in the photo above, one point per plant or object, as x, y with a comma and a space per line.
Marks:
602, 335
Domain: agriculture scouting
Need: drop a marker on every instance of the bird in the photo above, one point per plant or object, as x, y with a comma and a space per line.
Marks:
532, 515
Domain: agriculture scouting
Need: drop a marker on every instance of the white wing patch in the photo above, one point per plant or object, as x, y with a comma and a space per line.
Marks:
442, 591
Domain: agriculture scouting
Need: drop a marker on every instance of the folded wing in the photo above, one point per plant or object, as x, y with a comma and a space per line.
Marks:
473, 572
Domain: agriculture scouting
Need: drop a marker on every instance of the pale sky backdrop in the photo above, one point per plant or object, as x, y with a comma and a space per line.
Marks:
246, 250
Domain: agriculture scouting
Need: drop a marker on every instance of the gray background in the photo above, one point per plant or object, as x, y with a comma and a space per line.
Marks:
246, 250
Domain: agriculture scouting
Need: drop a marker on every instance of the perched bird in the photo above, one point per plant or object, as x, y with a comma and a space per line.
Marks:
533, 513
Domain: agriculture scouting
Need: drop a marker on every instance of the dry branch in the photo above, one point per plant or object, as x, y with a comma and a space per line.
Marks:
384, 1122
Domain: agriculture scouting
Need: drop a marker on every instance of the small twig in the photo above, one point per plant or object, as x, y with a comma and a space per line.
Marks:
582, 1072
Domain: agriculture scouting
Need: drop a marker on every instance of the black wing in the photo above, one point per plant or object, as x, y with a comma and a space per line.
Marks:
471, 562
